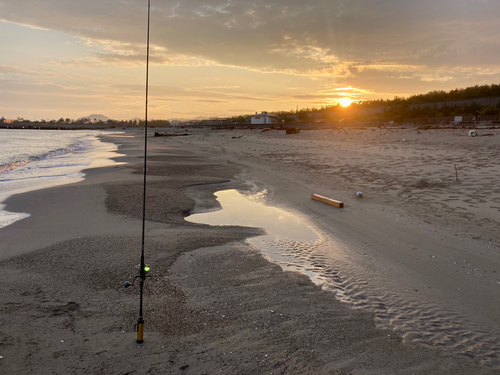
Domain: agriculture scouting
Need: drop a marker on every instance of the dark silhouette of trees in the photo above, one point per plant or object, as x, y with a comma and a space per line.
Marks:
401, 109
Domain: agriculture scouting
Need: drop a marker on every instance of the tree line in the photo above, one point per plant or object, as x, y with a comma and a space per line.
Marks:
401, 109
377, 110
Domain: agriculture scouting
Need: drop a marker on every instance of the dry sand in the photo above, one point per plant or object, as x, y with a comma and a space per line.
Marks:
216, 305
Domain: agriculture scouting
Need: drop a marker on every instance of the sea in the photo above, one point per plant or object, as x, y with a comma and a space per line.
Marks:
37, 159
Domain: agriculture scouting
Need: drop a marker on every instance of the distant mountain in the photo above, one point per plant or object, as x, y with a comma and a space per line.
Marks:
95, 117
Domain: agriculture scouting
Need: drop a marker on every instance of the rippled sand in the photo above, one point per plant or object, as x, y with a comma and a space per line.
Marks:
420, 250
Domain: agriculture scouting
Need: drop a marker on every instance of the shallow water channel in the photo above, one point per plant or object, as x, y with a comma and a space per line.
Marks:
287, 238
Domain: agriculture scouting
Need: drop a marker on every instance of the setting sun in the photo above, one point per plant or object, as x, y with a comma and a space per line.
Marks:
345, 102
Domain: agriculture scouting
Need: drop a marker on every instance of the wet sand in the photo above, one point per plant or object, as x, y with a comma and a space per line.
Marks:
420, 250
215, 304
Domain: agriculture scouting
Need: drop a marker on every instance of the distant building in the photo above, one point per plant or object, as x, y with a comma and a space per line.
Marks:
264, 118
4, 120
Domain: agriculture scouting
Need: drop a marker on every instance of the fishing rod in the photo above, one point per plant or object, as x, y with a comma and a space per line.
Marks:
144, 269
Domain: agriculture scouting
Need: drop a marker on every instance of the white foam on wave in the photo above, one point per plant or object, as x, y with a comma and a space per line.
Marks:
7, 218
21, 147
54, 168
21, 163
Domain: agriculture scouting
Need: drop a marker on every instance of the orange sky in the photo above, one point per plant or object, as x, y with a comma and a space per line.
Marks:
225, 58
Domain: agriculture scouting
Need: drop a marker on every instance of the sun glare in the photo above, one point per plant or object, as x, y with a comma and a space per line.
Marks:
345, 102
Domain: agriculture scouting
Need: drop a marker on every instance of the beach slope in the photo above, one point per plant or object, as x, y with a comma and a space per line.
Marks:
213, 305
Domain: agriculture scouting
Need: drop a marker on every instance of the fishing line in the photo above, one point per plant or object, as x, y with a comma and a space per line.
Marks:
144, 269
140, 321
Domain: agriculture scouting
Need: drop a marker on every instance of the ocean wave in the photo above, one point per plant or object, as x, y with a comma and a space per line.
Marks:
72, 175
8, 218
21, 163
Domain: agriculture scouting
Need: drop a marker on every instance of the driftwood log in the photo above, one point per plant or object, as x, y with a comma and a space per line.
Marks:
331, 202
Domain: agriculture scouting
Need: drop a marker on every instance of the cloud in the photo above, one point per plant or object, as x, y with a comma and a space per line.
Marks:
29, 26
241, 110
5, 69
14, 70
320, 37
331, 96
172, 93
167, 99
241, 97
284, 50
324, 96
217, 87
135, 59
210, 101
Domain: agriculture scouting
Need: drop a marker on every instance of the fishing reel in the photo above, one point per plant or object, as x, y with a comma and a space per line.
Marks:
145, 271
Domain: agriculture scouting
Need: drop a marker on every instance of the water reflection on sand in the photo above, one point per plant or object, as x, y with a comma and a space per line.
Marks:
287, 235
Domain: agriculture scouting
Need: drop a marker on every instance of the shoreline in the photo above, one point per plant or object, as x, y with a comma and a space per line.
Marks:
418, 274
219, 305
60, 166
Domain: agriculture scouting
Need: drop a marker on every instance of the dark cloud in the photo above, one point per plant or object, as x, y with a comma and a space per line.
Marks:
276, 35
321, 96
378, 47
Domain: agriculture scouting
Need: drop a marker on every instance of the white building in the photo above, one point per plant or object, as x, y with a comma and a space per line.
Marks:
264, 118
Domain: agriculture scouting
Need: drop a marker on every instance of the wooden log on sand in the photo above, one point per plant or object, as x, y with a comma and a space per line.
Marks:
331, 202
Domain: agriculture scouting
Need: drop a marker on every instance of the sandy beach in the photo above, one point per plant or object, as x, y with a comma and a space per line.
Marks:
409, 273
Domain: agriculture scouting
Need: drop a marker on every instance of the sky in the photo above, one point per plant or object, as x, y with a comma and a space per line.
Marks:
73, 58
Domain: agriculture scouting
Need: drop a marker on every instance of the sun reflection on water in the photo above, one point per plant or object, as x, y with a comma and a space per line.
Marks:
288, 239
